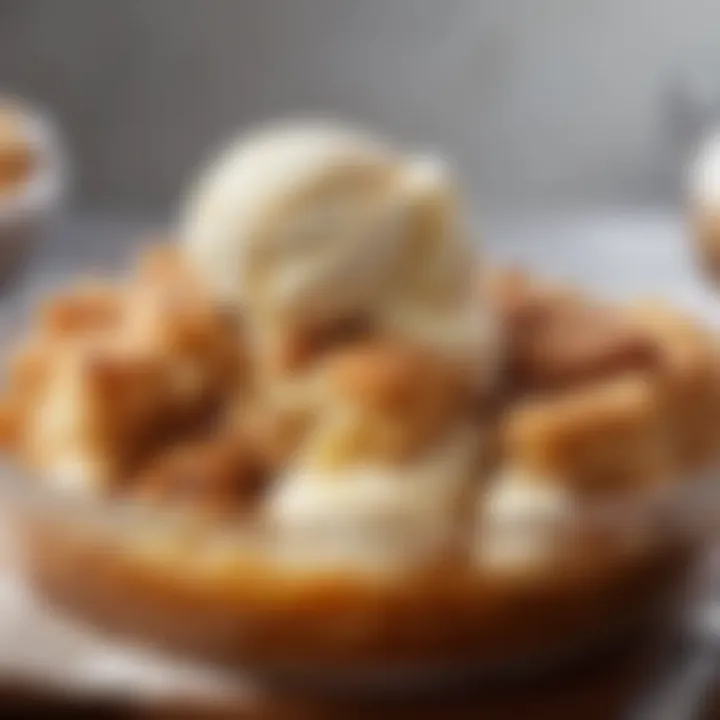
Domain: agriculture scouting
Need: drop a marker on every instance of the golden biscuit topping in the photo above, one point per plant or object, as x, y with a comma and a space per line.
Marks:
217, 475
556, 337
113, 371
604, 437
114, 376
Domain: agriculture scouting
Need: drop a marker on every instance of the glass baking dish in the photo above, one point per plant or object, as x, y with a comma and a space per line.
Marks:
237, 597
234, 596
26, 212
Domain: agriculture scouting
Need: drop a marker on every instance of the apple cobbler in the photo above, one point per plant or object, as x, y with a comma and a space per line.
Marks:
366, 457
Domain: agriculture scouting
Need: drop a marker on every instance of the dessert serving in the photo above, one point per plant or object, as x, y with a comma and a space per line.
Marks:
321, 435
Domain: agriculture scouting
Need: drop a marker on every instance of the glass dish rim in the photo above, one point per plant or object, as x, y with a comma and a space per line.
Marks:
680, 507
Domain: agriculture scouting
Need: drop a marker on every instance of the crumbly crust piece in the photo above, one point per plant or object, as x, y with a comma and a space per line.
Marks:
111, 371
558, 338
688, 377
220, 474
387, 402
604, 437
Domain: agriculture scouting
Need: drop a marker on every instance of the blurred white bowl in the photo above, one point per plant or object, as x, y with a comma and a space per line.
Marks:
25, 212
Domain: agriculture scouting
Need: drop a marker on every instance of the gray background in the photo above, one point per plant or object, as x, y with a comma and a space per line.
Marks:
541, 102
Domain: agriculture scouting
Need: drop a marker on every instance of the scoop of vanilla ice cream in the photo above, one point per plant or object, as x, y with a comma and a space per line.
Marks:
304, 224
296, 221
520, 521
433, 299
371, 516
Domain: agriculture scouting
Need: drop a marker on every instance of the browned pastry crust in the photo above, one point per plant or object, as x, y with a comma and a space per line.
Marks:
385, 401
605, 437
128, 367
401, 400
558, 338
89, 307
688, 377
397, 380
221, 474
275, 430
